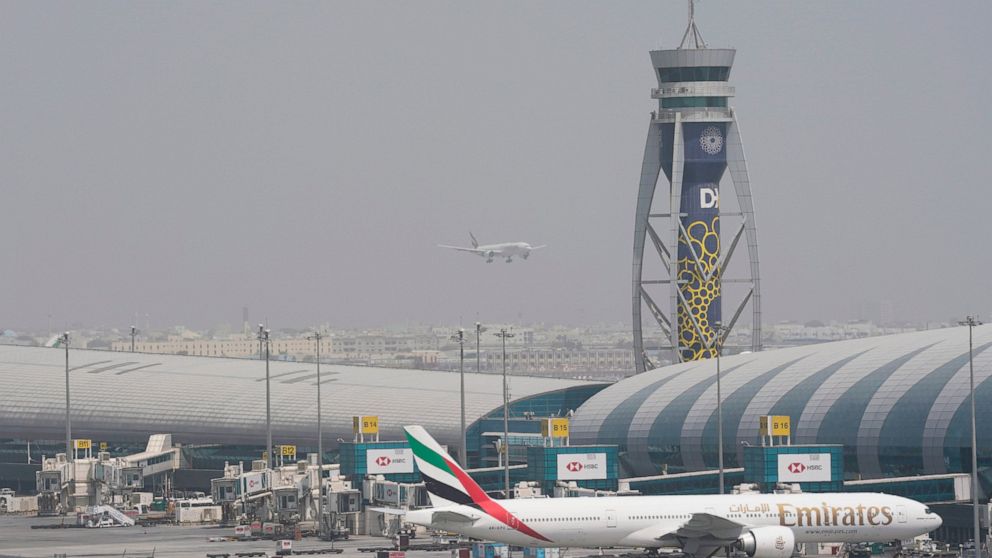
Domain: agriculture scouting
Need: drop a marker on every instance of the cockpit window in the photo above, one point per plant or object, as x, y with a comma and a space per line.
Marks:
926, 511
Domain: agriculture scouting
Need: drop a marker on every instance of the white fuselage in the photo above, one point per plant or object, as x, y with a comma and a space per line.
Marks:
505, 250
644, 521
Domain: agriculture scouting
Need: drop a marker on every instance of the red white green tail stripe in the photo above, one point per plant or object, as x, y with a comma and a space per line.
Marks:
447, 484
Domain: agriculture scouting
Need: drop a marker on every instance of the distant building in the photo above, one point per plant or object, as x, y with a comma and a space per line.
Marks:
539, 360
297, 347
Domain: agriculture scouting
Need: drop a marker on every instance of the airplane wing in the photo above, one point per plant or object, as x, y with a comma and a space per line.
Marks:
450, 516
538, 247
700, 536
462, 248
390, 511
709, 526
706, 533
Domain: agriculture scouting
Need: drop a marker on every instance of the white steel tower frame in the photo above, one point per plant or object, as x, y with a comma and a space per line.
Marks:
689, 99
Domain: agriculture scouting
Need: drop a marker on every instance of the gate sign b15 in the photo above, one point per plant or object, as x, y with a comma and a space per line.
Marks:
388, 461
804, 467
581, 466
554, 428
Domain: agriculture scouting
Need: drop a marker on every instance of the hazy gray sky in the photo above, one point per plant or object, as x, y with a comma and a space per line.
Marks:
185, 159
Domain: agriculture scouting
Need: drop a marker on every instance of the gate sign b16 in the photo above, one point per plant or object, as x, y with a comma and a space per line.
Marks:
581, 466
388, 461
804, 467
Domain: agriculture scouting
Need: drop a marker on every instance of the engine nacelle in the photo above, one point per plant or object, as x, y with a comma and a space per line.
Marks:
767, 542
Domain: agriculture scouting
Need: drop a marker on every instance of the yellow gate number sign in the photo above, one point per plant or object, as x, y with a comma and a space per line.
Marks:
82, 444
103, 446
774, 425
554, 428
288, 451
365, 425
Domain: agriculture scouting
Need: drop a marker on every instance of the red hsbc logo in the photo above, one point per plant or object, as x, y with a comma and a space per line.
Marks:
574, 466
383, 461
796, 468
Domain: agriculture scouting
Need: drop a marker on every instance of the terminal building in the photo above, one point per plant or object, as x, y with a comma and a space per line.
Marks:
892, 412
899, 405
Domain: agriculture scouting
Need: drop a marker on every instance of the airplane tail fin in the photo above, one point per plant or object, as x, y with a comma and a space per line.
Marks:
447, 483
475, 243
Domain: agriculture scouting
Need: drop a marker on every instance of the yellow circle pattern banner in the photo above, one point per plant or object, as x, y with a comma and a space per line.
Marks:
698, 291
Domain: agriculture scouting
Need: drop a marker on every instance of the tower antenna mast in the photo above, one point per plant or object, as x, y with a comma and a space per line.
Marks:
691, 31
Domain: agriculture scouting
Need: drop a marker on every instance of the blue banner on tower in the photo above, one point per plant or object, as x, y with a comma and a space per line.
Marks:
699, 243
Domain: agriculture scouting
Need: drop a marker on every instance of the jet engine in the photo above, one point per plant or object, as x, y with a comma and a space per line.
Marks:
767, 542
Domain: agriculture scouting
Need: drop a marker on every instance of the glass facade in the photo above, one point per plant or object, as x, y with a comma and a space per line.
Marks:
705, 483
693, 102
698, 73
899, 405
524, 426
354, 463
761, 466
542, 463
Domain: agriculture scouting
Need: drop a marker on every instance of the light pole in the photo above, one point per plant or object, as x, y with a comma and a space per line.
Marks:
718, 344
317, 336
263, 336
503, 335
460, 339
134, 333
971, 322
478, 347
64, 338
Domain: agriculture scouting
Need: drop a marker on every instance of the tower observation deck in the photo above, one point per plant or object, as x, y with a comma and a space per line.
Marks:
693, 137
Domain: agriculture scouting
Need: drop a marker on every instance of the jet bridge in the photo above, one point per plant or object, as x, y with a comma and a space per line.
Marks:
66, 486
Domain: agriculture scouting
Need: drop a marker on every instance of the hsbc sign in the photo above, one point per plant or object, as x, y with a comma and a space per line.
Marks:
804, 467
388, 461
581, 466
254, 482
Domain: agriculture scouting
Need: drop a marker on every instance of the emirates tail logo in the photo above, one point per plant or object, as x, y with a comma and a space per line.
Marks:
574, 466
383, 461
796, 468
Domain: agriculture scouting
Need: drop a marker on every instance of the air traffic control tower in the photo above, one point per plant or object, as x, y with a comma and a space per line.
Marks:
682, 250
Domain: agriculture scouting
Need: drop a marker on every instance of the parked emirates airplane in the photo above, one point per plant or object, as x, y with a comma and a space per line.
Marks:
761, 525
504, 250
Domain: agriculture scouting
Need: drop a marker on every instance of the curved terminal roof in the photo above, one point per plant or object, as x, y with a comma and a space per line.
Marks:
899, 404
127, 396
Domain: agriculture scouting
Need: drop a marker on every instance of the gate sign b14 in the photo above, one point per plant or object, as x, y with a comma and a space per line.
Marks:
581, 466
804, 467
388, 461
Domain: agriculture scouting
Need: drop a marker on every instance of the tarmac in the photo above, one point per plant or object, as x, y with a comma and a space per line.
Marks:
17, 538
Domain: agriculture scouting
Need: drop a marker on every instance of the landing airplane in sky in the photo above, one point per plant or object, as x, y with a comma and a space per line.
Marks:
504, 250
761, 525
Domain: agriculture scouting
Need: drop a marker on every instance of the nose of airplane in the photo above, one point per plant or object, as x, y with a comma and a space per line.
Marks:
934, 520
